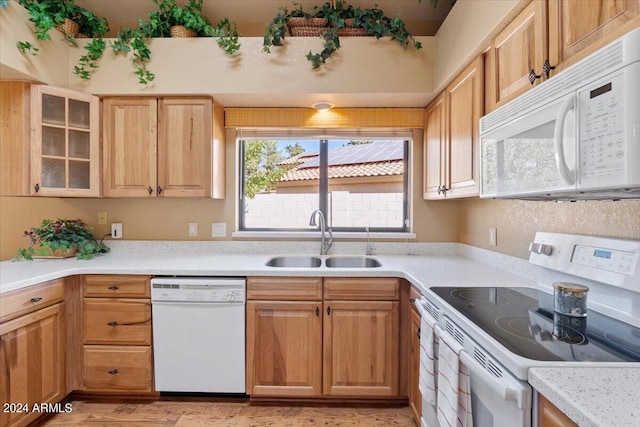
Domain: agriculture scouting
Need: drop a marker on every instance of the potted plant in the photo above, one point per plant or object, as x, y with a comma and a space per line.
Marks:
342, 19
61, 239
172, 20
71, 20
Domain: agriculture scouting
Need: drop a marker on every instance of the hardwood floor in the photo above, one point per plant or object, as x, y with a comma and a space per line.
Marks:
205, 413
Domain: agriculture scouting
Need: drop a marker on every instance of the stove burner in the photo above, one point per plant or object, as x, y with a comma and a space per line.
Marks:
515, 325
480, 295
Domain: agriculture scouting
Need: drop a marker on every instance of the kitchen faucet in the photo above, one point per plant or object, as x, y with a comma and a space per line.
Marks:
324, 247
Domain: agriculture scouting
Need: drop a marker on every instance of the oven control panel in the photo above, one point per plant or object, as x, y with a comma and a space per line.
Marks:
606, 259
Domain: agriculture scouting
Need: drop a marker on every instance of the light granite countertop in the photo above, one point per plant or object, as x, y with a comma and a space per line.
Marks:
592, 397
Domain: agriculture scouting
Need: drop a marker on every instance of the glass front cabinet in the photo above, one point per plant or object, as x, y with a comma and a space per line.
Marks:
65, 144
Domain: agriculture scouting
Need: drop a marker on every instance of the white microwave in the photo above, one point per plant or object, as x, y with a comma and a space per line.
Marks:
575, 136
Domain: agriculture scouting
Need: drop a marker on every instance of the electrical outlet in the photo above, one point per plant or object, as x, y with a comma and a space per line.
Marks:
193, 229
218, 229
493, 236
116, 230
102, 217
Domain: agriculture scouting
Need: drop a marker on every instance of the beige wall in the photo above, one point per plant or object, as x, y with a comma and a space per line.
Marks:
518, 220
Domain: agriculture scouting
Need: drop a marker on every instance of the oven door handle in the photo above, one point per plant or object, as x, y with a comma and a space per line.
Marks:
518, 393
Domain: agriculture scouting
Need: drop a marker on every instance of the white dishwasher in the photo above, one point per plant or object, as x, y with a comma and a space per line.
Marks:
199, 334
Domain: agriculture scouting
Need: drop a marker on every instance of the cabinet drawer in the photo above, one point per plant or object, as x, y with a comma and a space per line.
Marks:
371, 289
284, 288
117, 286
114, 368
117, 321
32, 298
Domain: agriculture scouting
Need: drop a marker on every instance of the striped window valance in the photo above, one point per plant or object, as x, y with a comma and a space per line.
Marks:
350, 118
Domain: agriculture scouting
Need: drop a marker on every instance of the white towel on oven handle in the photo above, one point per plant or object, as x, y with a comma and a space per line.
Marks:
454, 386
428, 358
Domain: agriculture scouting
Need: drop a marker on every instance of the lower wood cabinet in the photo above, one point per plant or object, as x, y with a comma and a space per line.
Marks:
284, 345
117, 354
361, 348
550, 416
118, 368
415, 397
32, 360
323, 337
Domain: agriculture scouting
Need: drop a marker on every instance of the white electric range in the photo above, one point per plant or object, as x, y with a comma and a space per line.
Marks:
506, 330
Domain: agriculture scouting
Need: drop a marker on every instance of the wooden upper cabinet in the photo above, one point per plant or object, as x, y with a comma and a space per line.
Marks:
435, 148
451, 164
465, 96
50, 141
578, 27
168, 147
518, 49
184, 147
130, 147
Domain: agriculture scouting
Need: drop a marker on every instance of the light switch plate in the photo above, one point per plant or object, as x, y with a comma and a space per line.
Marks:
493, 236
219, 229
193, 229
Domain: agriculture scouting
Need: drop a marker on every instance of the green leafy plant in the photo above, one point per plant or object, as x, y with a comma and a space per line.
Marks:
48, 14
159, 23
63, 235
373, 20
133, 40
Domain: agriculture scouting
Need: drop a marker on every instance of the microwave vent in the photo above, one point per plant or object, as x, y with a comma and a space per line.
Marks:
603, 61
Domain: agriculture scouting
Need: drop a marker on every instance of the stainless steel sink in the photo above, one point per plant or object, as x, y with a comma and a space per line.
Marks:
294, 262
352, 262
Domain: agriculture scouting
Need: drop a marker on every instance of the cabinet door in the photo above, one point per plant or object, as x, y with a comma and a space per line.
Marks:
575, 25
415, 398
518, 49
284, 348
32, 362
434, 148
184, 147
464, 107
15, 101
130, 147
65, 145
361, 348
550, 416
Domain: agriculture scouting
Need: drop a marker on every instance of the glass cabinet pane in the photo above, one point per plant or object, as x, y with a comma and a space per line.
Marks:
53, 173
79, 114
53, 111
79, 144
53, 142
79, 174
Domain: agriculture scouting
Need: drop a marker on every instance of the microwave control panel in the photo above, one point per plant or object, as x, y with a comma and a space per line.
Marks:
602, 147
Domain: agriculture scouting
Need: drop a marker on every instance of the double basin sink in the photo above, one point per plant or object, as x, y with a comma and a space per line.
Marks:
331, 262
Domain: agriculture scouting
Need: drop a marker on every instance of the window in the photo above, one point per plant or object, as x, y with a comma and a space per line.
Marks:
358, 181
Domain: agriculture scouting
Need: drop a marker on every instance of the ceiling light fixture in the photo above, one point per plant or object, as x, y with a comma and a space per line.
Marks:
322, 105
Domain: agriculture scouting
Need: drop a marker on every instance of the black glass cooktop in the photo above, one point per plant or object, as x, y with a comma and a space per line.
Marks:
523, 320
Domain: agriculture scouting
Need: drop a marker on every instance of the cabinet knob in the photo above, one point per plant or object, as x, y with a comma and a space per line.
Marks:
114, 323
533, 76
328, 310
439, 189
150, 190
547, 67
113, 288
317, 312
159, 190
418, 333
36, 299
412, 300
113, 372
36, 187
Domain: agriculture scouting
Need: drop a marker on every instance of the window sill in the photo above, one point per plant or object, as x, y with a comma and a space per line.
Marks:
316, 235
